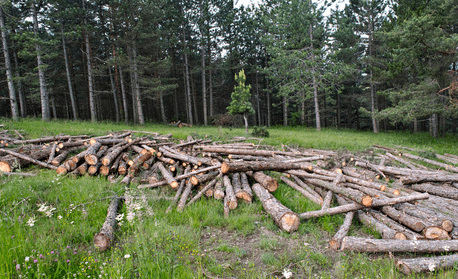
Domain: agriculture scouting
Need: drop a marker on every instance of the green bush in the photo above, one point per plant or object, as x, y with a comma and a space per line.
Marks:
260, 132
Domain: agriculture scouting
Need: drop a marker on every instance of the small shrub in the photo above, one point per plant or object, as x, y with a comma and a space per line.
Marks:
227, 120
260, 132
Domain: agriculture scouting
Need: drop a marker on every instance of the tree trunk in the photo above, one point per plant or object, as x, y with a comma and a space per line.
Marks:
245, 118
230, 198
69, 80
314, 82
138, 100
204, 89
188, 77
9, 72
45, 114
113, 91
269, 114
285, 111
124, 95
92, 106
266, 181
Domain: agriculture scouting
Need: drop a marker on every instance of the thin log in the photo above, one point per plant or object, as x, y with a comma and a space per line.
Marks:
417, 265
438, 177
336, 240
110, 157
204, 190
359, 244
138, 161
412, 222
219, 192
230, 167
318, 201
167, 151
239, 192
431, 218
226, 208
200, 179
395, 225
223, 150
177, 195
306, 187
399, 159
184, 196
230, 198
246, 186
104, 238
80, 170
283, 216
432, 162
385, 231
53, 153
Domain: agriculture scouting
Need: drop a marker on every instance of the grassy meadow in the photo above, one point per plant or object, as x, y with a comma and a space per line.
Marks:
47, 222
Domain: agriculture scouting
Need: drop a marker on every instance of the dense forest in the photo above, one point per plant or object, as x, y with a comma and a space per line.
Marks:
375, 64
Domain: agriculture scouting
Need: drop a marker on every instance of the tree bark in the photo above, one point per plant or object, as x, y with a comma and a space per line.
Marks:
92, 106
239, 192
169, 177
69, 80
230, 198
416, 265
113, 91
318, 201
269, 183
395, 225
283, 216
336, 240
138, 100
124, 95
230, 167
104, 238
9, 71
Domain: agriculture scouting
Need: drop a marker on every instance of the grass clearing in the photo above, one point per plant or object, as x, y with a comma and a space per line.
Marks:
47, 222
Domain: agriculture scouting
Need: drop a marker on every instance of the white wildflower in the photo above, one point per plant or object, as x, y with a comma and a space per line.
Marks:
126, 256
130, 216
431, 267
31, 221
287, 273
59, 217
27, 259
446, 248
119, 217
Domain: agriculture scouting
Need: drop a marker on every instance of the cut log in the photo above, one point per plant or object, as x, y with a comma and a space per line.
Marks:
302, 191
52, 154
283, 216
80, 170
60, 158
223, 150
395, 225
184, 196
359, 244
385, 231
204, 190
399, 159
226, 208
336, 240
91, 153
438, 177
354, 195
138, 161
200, 179
73, 162
122, 168
219, 192
428, 216
104, 238
179, 177
111, 156
432, 162
230, 198
306, 187
168, 176
239, 192
166, 160
416, 265
412, 222
167, 151
29, 159
266, 181
177, 195
436, 233
343, 208
246, 186
230, 167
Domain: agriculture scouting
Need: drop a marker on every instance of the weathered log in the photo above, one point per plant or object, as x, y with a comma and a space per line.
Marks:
344, 208
168, 176
29, 159
167, 151
359, 244
266, 181
438, 177
177, 195
318, 201
104, 238
111, 156
91, 153
179, 177
395, 225
432, 162
196, 179
354, 195
230, 198
230, 167
336, 240
246, 186
430, 218
10, 162
52, 154
307, 188
416, 265
283, 216
223, 150
385, 231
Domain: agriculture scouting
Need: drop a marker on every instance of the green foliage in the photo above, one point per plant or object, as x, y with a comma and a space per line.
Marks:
241, 96
260, 132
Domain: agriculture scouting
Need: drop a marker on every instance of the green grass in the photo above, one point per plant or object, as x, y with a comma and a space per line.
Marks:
177, 245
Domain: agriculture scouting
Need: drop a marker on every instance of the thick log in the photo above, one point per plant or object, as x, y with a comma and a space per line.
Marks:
246, 186
283, 216
226, 208
122, 168
336, 240
184, 196
395, 225
230, 167
318, 201
52, 154
354, 195
149, 163
91, 153
230, 198
166, 160
167, 151
385, 231
73, 162
200, 179
219, 192
436, 233
266, 181
10, 162
138, 161
179, 177
60, 158
441, 191
344, 208
111, 156
104, 238
416, 265
138, 149
29, 159
168, 176
359, 244
412, 222
81, 169
239, 192
431, 218
78, 144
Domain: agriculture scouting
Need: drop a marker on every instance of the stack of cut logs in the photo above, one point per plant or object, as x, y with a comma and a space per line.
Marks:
411, 201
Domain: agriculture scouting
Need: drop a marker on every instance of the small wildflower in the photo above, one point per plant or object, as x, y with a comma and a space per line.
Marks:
68, 261
31, 221
431, 267
27, 259
59, 217
18, 266
35, 261
52, 252
126, 256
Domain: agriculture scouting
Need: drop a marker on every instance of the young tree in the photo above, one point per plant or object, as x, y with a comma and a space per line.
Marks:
241, 99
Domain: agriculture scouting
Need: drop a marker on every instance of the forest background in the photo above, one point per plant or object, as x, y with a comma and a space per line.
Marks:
372, 65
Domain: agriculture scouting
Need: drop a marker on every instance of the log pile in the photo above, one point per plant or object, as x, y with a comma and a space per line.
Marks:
411, 201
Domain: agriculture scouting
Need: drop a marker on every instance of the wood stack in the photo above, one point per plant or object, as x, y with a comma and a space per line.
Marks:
411, 201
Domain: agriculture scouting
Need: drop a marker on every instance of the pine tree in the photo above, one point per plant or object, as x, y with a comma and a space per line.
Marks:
241, 99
